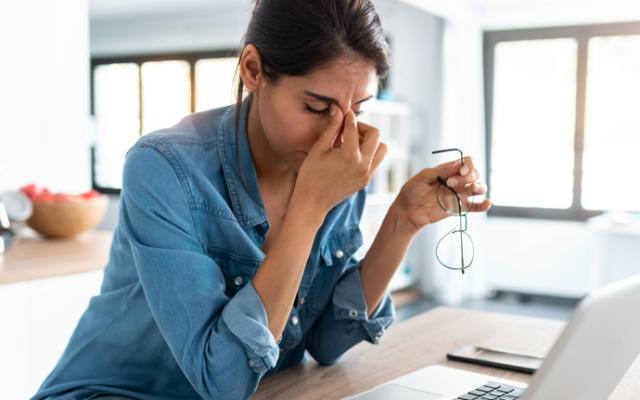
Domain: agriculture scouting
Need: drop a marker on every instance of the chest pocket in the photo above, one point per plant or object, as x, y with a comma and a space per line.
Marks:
237, 270
341, 245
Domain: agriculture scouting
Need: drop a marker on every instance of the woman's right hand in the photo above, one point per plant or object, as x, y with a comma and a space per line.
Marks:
331, 173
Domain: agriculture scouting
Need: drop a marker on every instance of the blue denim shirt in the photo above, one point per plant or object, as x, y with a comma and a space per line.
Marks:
177, 316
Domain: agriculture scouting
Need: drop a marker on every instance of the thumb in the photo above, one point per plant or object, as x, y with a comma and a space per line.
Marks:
325, 142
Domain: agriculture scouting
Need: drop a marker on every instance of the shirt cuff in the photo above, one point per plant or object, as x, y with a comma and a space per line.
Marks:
350, 303
246, 318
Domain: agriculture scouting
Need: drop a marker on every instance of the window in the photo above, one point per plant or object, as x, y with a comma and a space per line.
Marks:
132, 96
166, 93
211, 90
563, 125
612, 124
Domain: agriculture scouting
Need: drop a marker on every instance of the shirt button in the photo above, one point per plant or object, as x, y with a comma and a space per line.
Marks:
252, 364
353, 313
301, 300
295, 320
339, 253
238, 280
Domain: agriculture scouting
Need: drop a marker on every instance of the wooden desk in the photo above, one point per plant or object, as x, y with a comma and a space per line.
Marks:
422, 341
33, 257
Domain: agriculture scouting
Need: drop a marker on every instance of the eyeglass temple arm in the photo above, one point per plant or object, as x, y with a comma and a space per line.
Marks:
444, 183
461, 242
450, 150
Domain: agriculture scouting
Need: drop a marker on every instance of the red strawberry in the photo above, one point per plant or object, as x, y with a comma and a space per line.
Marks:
59, 197
31, 190
43, 195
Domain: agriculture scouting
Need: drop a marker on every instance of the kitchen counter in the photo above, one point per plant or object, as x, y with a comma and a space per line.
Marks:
34, 257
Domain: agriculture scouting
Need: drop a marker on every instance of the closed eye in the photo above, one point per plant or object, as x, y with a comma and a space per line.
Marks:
316, 111
325, 111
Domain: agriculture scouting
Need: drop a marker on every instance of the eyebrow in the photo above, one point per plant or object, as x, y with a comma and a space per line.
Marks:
331, 99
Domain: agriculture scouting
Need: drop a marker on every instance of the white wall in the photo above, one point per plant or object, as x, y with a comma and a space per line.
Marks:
162, 32
44, 100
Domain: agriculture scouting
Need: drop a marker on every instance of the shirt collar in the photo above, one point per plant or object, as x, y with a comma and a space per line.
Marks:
238, 166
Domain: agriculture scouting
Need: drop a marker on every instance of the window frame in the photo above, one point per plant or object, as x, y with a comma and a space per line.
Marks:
582, 34
190, 57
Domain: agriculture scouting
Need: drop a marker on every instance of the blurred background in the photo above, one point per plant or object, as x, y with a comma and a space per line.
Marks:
545, 95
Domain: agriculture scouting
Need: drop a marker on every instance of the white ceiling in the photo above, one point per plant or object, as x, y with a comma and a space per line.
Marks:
491, 13
111, 9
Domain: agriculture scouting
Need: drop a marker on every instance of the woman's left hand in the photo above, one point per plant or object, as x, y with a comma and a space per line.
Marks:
417, 200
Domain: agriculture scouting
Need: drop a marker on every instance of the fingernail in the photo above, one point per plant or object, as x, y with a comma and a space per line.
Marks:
452, 182
464, 170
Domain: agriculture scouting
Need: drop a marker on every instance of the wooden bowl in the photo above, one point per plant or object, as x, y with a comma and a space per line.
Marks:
67, 218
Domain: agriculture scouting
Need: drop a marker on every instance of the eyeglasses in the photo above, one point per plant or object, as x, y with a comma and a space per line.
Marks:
455, 250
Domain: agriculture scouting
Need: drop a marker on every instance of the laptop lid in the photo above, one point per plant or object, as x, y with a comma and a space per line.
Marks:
595, 349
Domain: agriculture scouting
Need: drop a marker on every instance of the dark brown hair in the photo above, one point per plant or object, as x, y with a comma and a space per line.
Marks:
296, 37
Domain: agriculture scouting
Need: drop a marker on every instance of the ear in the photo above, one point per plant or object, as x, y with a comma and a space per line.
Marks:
251, 68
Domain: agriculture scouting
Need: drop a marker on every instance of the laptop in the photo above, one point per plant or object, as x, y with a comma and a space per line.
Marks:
592, 354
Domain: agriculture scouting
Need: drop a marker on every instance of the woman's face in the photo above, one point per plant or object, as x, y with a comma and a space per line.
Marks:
295, 111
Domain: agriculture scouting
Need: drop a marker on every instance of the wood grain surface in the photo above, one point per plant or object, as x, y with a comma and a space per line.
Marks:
422, 341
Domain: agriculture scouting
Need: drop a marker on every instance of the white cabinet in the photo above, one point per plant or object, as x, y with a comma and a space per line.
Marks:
614, 248
560, 258
37, 319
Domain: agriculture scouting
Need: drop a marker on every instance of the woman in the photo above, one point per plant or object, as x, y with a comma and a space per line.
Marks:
233, 252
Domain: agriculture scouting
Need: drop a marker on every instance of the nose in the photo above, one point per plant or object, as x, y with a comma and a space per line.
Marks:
347, 109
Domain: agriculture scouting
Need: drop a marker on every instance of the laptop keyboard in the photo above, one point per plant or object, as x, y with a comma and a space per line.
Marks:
493, 391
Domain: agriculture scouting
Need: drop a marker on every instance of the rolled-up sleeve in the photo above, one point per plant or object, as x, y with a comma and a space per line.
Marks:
246, 318
345, 321
222, 345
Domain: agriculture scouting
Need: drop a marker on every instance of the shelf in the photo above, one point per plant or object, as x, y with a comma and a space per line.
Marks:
393, 119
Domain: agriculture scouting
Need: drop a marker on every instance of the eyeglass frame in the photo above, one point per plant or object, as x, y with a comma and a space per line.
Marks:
461, 217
